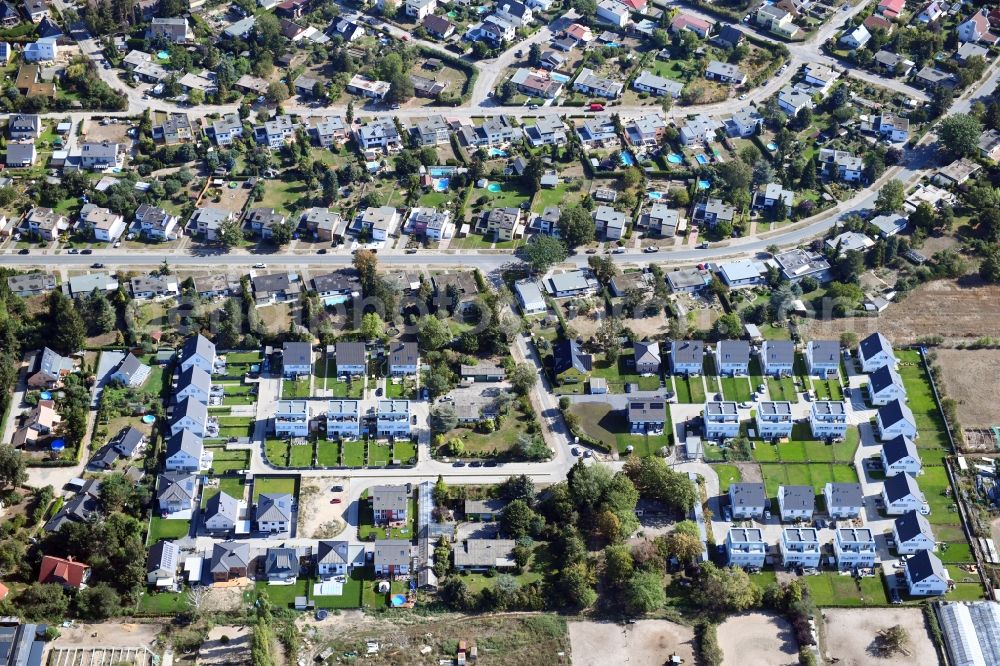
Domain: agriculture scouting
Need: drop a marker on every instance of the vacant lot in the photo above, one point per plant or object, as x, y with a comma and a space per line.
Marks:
316, 514
758, 639
958, 312
967, 373
107, 635
645, 643
226, 645
849, 635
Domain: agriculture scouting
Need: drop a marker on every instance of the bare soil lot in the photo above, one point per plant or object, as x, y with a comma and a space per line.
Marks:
849, 633
956, 310
111, 634
224, 598
645, 643
116, 132
970, 380
757, 639
317, 517
235, 649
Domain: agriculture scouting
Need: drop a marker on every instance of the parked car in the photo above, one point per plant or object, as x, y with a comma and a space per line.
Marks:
336, 500
87, 251
24, 250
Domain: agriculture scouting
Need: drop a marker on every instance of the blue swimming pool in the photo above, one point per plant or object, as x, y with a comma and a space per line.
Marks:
45, 395
704, 184
701, 158
674, 158
497, 152
626, 158
398, 600
437, 172
163, 55
494, 187
149, 418
655, 196
561, 78
772, 146
441, 184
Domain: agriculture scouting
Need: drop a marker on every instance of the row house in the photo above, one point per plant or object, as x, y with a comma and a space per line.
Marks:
828, 419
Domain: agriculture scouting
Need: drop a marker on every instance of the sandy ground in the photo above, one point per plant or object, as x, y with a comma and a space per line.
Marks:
849, 632
235, 651
757, 639
645, 643
995, 530
967, 373
223, 599
108, 635
960, 311
317, 517
750, 471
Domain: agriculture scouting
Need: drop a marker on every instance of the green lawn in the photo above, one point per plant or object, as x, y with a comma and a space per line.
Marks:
352, 388
404, 389
728, 474
277, 451
683, 391
379, 454
611, 428
621, 373
354, 454
294, 388
160, 528
231, 485
736, 388
327, 453
404, 451
275, 485
367, 528
283, 596
801, 474
163, 603
802, 448
224, 461
301, 455
351, 596
782, 389
833, 589
282, 193
934, 484
372, 598
965, 592
827, 389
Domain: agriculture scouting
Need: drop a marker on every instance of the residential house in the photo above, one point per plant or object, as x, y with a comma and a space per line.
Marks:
900, 494
351, 358
661, 220
890, 9
161, 564
20, 155
455, 292
197, 351
796, 503
343, 419
722, 419
184, 451
227, 128
101, 156
892, 63
291, 418
419, 9
349, 31
912, 534
773, 194
828, 419
48, 370
438, 26
892, 127
82, 507
275, 288
376, 90
229, 560
657, 86
536, 83
646, 415
729, 37
207, 222
849, 241
24, 126
792, 99
276, 132
548, 130
45, 223
823, 358
431, 223
131, 372
221, 513
484, 555
175, 30
381, 222
329, 131
149, 287
339, 558
647, 357
698, 26
820, 77
516, 12
889, 225
155, 223
777, 20
687, 357
189, 415
800, 547
548, 222
774, 419
104, 224
843, 500
296, 359
745, 123
885, 386
894, 419
495, 29
742, 273
840, 165
484, 510
569, 364
900, 456
40, 422
392, 558
733, 357
494, 131
609, 11
598, 131
31, 284
82, 285
404, 359
725, 72
193, 383
854, 548
392, 419
712, 211
699, 129
933, 78
856, 38
176, 492
926, 575
748, 500
213, 286
777, 357
646, 131
590, 83
529, 296
745, 547
273, 513
174, 128
390, 505
65, 571
503, 224
977, 29
956, 173
874, 352
262, 221
326, 225
932, 11
689, 280
432, 131
609, 223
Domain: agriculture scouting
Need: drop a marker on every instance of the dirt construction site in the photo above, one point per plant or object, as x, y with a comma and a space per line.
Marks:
849, 636
959, 311
757, 639
647, 643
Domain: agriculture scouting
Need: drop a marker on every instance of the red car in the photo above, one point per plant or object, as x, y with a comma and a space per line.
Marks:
336, 500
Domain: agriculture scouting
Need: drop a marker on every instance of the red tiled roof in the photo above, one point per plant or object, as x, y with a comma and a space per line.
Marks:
634, 4
893, 7
684, 21
59, 570
877, 23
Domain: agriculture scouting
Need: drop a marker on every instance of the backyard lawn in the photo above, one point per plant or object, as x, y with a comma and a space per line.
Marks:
610, 427
301, 455
283, 596
352, 388
802, 474
327, 453
621, 373
224, 461
404, 451
294, 388
161, 528
163, 603
736, 388
275, 485
833, 589
379, 454
277, 452
728, 474
354, 454
351, 594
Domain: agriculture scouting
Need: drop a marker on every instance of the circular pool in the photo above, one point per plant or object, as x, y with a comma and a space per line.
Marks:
494, 187
397, 600
45, 395
674, 158
772, 146
149, 418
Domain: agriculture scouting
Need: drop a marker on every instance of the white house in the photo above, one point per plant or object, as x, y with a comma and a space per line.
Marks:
796, 502
885, 385
339, 558
777, 357
894, 419
748, 500
774, 419
43, 50
193, 383
343, 419
926, 575
874, 352
529, 296
732, 357
828, 419
221, 513
291, 419
393, 419
899, 456
609, 11
722, 419
687, 357
857, 38
199, 351
823, 358
106, 225
843, 500
184, 452
189, 415
800, 547
745, 547
418, 9
296, 359
900, 494
274, 512
912, 534
854, 548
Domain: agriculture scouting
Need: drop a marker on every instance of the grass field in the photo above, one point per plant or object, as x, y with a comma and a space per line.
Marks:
367, 527
833, 589
351, 596
294, 388
782, 389
277, 451
301, 455
224, 461
682, 390
275, 485
163, 603
802, 448
354, 454
610, 427
353, 388
327, 453
231, 485
728, 474
816, 475
920, 399
404, 451
283, 596
161, 528
621, 373
379, 454
736, 388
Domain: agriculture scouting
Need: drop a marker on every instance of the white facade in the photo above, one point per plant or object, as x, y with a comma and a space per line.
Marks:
721, 420
800, 547
828, 419
773, 420
291, 419
854, 548
745, 547
393, 419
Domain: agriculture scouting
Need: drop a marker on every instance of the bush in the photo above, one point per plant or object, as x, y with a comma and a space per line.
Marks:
708, 645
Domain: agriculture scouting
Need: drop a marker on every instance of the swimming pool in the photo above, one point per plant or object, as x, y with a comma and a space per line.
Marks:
654, 195
561, 78
441, 184
494, 187
149, 418
163, 55
772, 146
704, 184
497, 152
437, 172
45, 395
674, 158
701, 158
452, 15
626, 158
336, 299
398, 600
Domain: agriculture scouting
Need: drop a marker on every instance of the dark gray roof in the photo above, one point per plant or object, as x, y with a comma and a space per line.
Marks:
825, 351
911, 525
197, 377
281, 560
566, 354
129, 367
389, 498
734, 351
274, 507
344, 281
340, 552
779, 351
185, 441
127, 441
846, 494
883, 378
798, 497
748, 494
923, 565
297, 353
899, 448
687, 351
192, 408
229, 555
222, 504
491, 506
403, 354
198, 345
176, 486
895, 411
395, 552
162, 555
900, 486
350, 353
873, 344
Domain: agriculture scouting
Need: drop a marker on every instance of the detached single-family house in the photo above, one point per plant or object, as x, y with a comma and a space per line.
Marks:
176, 492
742, 273
229, 560
900, 494
484, 554
48, 370
828, 419
65, 571
274, 512
800, 546
646, 415
404, 359
796, 503
856, 38
885, 385
191, 416
926, 575
874, 352
291, 418
823, 358
569, 364
722, 419
193, 383
774, 419
339, 558
745, 547
854, 548
343, 419
390, 505
843, 500
131, 372
529, 296
913, 534
977, 29
841, 165
221, 513
161, 564
281, 565
647, 357
351, 358
687, 357
296, 359
777, 357
392, 419
484, 510
698, 26
894, 419
392, 558
732, 357
900, 456
748, 500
